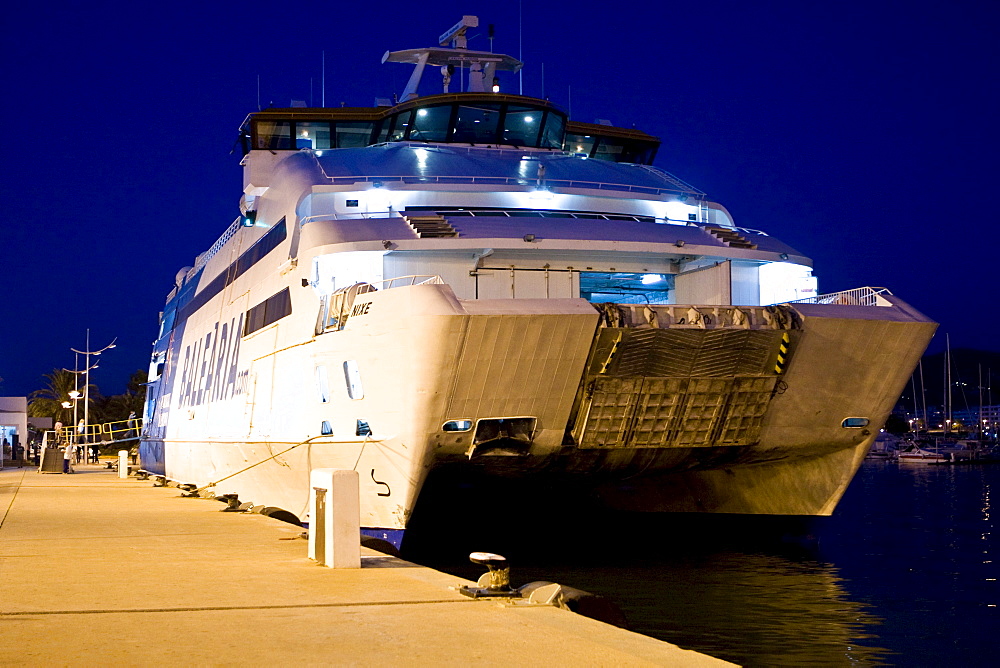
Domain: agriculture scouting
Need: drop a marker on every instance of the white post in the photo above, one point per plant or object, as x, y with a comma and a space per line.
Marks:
123, 463
335, 518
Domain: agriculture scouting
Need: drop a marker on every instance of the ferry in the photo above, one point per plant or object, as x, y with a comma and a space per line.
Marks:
464, 279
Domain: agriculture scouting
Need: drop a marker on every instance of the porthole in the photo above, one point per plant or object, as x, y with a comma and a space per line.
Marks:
855, 422
457, 425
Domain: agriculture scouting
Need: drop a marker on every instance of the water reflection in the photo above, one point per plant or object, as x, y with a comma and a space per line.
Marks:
753, 592
902, 574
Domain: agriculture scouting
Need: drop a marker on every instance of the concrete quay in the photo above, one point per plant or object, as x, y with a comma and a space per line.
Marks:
99, 570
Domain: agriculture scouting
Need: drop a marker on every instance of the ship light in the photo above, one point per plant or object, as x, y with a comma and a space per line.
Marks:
649, 279
421, 112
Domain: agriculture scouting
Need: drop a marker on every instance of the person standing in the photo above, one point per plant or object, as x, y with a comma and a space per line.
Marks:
131, 426
81, 438
68, 452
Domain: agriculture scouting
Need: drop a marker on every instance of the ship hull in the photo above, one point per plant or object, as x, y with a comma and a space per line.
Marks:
736, 414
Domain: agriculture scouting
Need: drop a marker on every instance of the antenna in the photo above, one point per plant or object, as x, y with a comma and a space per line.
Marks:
258, 92
491, 37
323, 103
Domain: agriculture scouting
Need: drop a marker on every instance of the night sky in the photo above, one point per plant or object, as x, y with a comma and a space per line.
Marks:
863, 134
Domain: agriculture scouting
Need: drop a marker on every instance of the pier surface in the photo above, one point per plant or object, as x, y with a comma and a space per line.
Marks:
99, 570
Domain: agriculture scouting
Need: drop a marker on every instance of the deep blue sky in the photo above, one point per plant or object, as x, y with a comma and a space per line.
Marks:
864, 134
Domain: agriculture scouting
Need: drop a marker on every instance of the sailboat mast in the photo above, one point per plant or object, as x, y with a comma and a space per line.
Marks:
923, 390
947, 380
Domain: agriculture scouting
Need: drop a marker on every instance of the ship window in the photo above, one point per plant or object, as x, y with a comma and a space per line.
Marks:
552, 131
400, 125
579, 144
325, 429
274, 134
476, 125
353, 378
431, 124
322, 385
625, 288
354, 135
269, 311
363, 429
521, 126
622, 150
854, 422
457, 425
312, 135
608, 149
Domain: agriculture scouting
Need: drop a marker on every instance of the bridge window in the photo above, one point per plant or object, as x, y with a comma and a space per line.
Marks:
521, 126
553, 131
354, 134
580, 144
476, 125
274, 134
400, 125
431, 124
312, 135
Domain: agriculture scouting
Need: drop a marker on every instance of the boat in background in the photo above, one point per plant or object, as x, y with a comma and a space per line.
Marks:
472, 282
917, 455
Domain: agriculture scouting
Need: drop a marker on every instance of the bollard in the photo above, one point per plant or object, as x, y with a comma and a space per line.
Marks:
335, 518
123, 463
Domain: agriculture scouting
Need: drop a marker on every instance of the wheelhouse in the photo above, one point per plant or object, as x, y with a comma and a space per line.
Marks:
463, 118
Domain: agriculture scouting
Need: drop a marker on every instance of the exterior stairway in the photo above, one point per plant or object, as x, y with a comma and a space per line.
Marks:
730, 237
432, 225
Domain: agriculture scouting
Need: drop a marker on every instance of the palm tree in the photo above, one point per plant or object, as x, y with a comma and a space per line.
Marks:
117, 407
48, 401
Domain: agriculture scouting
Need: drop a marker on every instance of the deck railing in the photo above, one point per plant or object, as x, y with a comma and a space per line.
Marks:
866, 296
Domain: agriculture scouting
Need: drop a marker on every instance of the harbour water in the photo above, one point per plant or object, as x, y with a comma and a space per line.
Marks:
905, 573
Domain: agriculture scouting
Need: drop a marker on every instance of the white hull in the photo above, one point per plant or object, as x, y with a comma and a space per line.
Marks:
474, 281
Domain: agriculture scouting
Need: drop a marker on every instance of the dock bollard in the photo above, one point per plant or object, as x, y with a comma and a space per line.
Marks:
335, 518
123, 463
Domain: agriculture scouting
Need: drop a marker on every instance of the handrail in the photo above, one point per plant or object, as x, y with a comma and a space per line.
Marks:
107, 432
335, 308
866, 296
217, 246
407, 281
505, 181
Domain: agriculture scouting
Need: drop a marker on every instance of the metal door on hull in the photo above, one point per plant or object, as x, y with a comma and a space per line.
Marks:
512, 283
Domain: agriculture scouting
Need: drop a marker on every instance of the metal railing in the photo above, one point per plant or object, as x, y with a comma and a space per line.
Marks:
335, 309
217, 246
99, 434
407, 281
866, 296
492, 181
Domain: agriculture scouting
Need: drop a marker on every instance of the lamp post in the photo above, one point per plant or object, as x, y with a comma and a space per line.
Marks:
86, 371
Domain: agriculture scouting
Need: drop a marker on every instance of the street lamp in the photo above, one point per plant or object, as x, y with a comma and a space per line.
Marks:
86, 371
